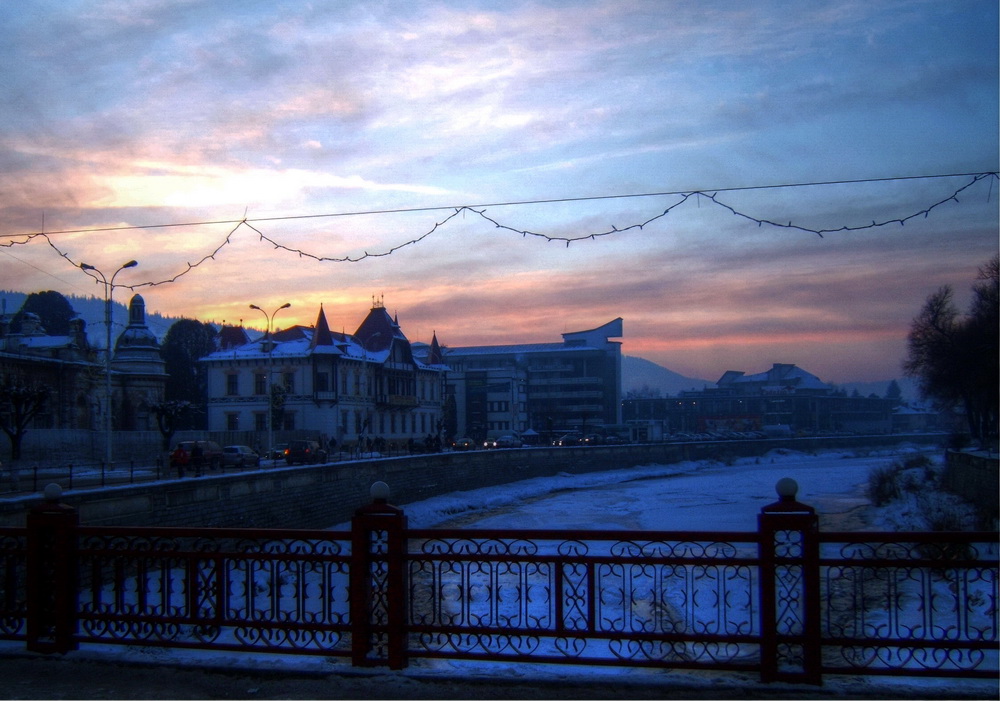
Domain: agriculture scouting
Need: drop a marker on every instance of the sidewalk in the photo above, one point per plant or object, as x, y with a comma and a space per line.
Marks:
81, 675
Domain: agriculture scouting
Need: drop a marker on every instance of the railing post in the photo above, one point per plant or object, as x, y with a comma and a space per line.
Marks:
51, 575
378, 583
789, 589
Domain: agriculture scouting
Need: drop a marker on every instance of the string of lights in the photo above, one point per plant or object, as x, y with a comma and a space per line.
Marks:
711, 196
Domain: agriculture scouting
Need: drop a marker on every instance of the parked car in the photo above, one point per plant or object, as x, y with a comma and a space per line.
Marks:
240, 456
507, 442
463, 444
211, 453
568, 439
305, 452
278, 451
592, 439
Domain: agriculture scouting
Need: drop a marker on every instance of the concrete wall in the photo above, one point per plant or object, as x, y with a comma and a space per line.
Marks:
324, 495
975, 477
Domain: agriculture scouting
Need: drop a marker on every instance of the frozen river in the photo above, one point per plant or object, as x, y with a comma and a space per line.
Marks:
686, 496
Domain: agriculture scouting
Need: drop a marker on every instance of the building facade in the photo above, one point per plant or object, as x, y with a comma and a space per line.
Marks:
784, 396
540, 389
74, 372
351, 388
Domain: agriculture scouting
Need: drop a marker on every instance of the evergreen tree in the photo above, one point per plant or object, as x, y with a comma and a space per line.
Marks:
54, 311
186, 341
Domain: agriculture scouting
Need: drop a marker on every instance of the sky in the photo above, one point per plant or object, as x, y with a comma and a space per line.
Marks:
476, 166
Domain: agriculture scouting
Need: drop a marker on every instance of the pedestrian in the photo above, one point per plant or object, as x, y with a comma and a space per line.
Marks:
197, 458
179, 459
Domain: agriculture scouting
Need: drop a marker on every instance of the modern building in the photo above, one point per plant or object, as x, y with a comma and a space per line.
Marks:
784, 398
538, 389
352, 388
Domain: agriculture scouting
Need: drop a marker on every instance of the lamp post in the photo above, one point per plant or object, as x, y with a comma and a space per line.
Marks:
109, 291
369, 377
270, 371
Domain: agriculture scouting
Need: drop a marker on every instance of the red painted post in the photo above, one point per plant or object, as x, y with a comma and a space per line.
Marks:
51, 575
378, 583
789, 589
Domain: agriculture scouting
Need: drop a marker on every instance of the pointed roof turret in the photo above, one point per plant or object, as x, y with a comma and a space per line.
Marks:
378, 330
321, 335
434, 356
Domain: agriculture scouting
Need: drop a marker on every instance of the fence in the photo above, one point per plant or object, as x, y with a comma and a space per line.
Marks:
787, 601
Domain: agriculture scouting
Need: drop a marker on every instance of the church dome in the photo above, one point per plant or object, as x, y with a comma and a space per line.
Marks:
137, 350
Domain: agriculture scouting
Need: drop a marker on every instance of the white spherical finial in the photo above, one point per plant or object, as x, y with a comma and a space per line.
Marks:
379, 491
52, 492
787, 488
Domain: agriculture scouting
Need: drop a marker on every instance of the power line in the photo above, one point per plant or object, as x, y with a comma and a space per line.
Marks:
511, 203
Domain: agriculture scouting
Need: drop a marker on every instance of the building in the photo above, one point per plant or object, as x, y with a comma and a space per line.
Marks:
540, 389
350, 388
138, 372
785, 398
74, 372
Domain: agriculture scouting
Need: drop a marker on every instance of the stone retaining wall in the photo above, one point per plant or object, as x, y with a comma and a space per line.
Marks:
975, 477
323, 495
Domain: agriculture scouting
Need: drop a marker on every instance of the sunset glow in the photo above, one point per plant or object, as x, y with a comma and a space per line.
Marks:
322, 154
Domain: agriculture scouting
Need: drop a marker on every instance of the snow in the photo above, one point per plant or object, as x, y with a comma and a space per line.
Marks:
700, 495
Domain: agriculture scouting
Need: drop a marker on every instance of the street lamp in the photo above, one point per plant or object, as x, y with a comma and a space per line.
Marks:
270, 371
109, 290
369, 377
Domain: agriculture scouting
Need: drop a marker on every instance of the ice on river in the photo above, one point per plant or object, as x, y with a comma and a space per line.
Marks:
701, 495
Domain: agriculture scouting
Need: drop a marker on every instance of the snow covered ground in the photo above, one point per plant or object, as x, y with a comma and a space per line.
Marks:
702, 495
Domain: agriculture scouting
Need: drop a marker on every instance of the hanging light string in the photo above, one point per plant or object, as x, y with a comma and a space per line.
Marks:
711, 196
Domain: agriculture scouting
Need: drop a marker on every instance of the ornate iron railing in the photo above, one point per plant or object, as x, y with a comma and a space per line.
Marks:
249, 590
909, 603
614, 598
787, 600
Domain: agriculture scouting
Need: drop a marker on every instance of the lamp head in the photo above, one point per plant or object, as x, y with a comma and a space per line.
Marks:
286, 305
130, 264
254, 306
87, 266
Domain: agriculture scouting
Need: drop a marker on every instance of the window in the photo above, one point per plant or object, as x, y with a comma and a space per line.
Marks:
289, 421
343, 384
260, 383
232, 422
260, 421
322, 381
289, 378
232, 385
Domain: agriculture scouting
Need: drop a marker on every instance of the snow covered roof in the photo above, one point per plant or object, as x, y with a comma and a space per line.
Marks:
372, 342
781, 377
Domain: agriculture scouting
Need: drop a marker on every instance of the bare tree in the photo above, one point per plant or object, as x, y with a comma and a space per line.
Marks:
20, 402
955, 357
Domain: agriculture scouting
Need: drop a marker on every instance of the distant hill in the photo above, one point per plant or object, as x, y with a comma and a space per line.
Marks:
907, 386
639, 373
